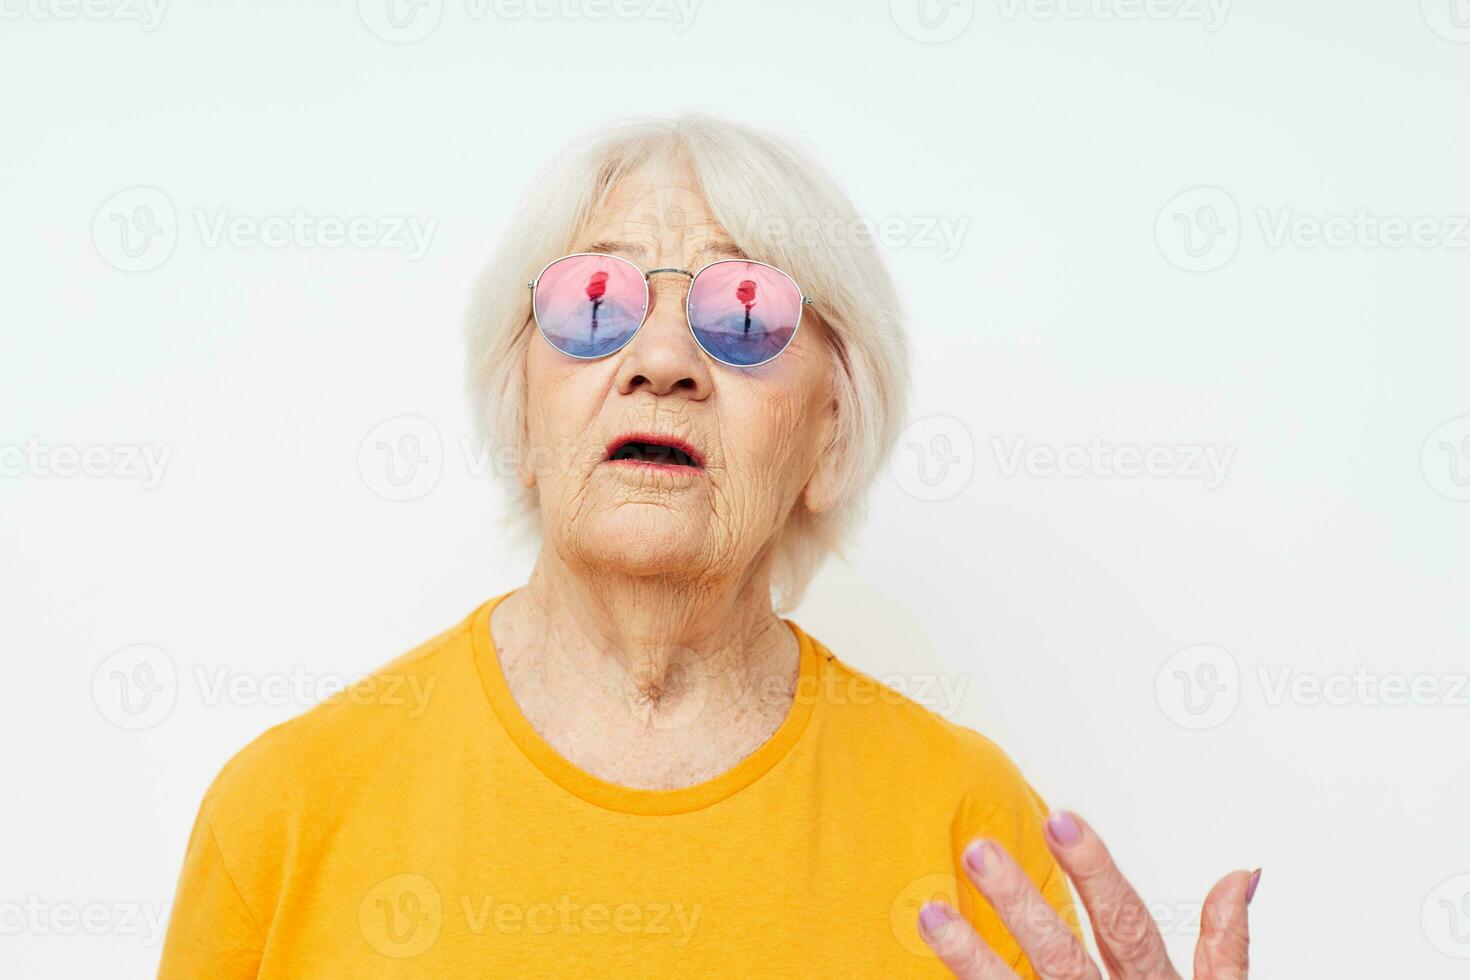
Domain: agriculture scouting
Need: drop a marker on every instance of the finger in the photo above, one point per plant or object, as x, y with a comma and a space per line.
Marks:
1223, 950
1126, 934
958, 946
1053, 950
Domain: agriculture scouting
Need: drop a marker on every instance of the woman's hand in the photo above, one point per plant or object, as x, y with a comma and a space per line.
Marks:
1131, 946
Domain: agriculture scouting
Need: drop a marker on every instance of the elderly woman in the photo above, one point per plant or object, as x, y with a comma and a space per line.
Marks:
631, 766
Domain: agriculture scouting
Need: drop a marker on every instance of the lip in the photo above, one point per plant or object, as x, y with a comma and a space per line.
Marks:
657, 439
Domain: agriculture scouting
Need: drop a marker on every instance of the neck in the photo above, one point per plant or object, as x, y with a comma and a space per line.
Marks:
642, 679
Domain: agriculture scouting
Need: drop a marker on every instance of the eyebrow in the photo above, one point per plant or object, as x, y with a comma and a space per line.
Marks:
721, 250
618, 248
633, 250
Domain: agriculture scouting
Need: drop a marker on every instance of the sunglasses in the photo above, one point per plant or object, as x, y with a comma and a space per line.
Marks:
742, 313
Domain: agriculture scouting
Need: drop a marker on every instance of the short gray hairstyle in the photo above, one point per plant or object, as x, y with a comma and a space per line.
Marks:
774, 203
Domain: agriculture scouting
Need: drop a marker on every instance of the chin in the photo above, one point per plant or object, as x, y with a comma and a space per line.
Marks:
645, 539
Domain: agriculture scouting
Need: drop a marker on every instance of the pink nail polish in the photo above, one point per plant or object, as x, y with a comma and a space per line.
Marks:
1250, 890
975, 857
1063, 827
933, 917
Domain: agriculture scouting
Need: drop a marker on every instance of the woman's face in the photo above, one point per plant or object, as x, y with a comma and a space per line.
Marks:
760, 431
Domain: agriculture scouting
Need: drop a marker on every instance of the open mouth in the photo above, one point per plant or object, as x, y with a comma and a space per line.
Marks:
654, 450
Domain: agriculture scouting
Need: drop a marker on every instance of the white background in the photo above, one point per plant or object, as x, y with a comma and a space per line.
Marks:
1053, 606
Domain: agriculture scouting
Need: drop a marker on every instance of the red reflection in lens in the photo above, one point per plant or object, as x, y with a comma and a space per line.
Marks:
596, 286
743, 313
589, 305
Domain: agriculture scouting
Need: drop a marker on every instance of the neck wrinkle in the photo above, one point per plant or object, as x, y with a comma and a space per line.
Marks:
645, 637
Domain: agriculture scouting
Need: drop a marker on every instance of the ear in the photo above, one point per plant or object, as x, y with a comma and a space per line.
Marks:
822, 487
526, 466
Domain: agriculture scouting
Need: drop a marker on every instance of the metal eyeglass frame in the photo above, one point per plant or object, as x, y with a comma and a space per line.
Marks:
648, 302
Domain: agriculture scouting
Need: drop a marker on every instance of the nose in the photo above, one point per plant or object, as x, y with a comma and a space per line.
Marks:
663, 357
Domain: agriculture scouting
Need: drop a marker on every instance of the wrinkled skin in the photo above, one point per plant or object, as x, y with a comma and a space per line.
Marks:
645, 648
762, 430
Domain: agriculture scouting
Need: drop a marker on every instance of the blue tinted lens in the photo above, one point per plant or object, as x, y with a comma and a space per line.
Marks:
743, 313
589, 305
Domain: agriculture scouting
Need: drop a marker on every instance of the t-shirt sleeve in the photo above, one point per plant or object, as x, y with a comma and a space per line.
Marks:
1007, 810
211, 932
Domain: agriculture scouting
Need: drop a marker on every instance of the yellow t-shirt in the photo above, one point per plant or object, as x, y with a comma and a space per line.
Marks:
417, 826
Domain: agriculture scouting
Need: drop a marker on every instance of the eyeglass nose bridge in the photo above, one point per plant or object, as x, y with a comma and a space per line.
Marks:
648, 278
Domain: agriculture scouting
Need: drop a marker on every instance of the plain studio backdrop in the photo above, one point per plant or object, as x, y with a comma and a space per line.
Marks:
1181, 521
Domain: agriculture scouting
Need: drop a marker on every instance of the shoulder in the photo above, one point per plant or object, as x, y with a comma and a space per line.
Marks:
346, 734
902, 727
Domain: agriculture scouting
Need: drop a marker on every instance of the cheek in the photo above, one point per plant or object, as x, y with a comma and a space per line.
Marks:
560, 399
789, 410
562, 405
771, 430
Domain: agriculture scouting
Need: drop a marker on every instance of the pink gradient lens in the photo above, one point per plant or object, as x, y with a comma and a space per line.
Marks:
589, 305
743, 313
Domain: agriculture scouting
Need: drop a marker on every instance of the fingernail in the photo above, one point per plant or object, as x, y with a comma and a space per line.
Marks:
975, 857
1063, 827
1250, 890
933, 917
